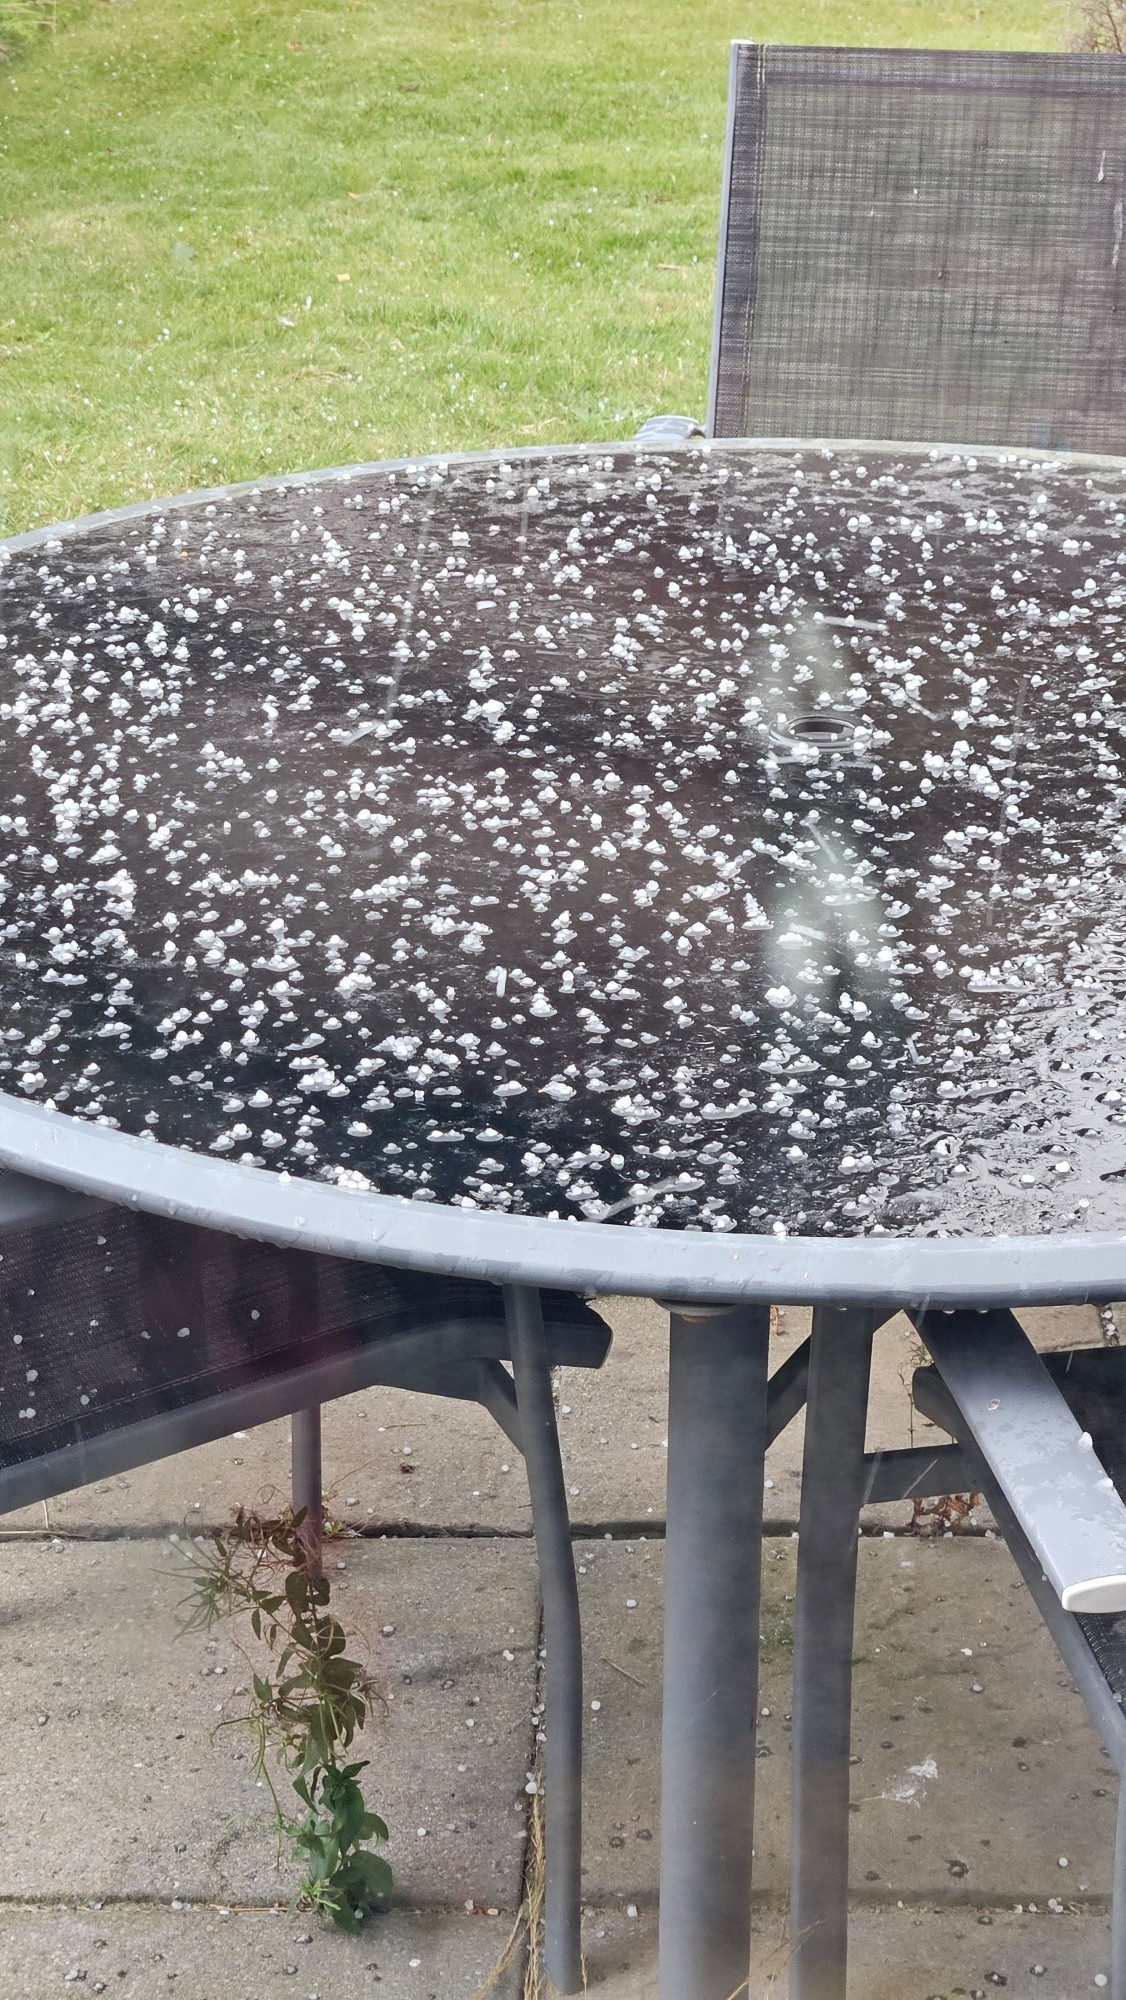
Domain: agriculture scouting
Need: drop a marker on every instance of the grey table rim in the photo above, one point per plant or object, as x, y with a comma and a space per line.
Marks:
689, 1267
536, 454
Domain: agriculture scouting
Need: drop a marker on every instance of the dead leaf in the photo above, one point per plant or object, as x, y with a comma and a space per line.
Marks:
948, 1513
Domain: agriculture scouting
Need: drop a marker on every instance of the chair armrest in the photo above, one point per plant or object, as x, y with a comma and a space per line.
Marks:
668, 430
1000, 1400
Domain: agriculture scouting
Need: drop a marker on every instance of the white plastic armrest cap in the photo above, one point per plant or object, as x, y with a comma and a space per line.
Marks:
1095, 1593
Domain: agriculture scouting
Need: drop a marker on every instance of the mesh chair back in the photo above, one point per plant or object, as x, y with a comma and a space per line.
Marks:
123, 1319
923, 244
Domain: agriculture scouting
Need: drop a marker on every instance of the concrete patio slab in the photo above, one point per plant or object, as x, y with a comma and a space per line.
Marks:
389, 1456
201, 1954
895, 1954
116, 1783
976, 1772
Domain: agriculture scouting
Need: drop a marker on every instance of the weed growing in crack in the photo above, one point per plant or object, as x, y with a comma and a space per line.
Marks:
306, 1708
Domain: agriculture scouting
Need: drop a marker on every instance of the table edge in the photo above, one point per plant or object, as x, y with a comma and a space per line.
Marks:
497, 455
678, 1265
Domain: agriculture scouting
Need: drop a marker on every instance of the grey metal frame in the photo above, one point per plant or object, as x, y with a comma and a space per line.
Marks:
722, 1414
717, 1368
833, 1482
658, 431
563, 1750
306, 1484
721, 260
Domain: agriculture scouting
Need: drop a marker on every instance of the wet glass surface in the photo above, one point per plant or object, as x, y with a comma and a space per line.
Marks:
721, 839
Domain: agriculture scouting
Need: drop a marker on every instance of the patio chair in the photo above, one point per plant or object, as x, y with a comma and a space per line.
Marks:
919, 245
129, 1336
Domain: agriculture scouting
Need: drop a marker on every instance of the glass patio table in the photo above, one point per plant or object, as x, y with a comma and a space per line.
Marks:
693, 872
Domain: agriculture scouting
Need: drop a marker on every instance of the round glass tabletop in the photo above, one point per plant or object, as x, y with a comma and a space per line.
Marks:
717, 839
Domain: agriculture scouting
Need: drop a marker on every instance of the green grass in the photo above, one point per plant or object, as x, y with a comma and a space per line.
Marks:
23, 24
240, 236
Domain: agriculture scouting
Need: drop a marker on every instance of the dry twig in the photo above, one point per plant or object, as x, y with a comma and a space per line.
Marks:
1101, 27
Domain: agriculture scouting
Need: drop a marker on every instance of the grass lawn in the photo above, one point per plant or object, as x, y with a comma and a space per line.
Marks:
243, 236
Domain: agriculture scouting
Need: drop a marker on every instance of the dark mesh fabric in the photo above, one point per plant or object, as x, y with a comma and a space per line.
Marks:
107, 1321
1106, 1636
1093, 1381
924, 244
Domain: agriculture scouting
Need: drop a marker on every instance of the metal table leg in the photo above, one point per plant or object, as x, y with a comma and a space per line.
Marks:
563, 1754
305, 1458
832, 1493
713, 1556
